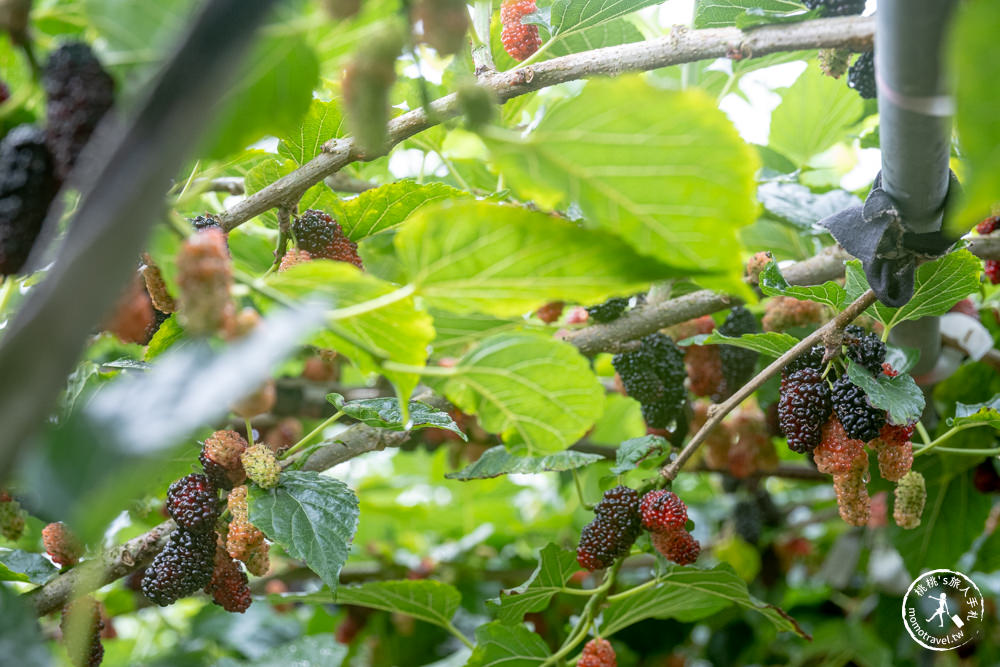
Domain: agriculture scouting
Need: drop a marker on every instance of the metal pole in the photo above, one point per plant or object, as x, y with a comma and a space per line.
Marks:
915, 111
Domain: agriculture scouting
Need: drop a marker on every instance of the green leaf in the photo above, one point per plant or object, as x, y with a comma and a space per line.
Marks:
814, 114
666, 171
899, 396
137, 33
17, 565
312, 517
322, 122
772, 343
308, 651
497, 461
688, 594
939, 285
372, 321
555, 567
723, 13
772, 283
976, 68
987, 413
506, 260
390, 205
502, 645
455, 333
427, 600
269, 97
612, 33
21, 639
633, 452
800, 206
385, 413
571, 17
529, 389
988, 556
169, 333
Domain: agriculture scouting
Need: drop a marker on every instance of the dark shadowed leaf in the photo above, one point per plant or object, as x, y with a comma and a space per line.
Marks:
385, 413
497, 461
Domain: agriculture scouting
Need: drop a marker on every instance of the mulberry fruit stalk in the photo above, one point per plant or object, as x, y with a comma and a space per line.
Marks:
519, 40
615, 527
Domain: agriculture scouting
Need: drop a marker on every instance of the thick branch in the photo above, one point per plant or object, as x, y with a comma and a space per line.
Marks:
645, 320
353, 441
115, 563
721, 410
681, 46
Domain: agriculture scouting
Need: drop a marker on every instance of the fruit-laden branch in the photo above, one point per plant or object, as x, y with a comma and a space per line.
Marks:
680, 46
717, 412
644, 320
114, 563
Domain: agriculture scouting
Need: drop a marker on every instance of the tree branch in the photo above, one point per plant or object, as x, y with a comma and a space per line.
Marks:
650, 318
114, 563
722, 409
681, 46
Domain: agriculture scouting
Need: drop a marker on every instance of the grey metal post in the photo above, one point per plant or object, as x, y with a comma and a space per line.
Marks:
915, 130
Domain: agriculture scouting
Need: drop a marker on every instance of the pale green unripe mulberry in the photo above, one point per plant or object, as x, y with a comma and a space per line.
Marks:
911, 494
261, 466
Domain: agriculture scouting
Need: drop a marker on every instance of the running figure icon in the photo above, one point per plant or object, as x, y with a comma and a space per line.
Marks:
941, 610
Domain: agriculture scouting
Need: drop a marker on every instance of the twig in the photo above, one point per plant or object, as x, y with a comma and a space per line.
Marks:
681, 46
721, 410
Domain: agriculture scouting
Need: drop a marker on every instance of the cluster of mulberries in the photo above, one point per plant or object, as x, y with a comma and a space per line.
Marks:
220, 459
519, 40
836, 423
204, 278
79, 93
193, 502
28, 184
550, 312
911, 494
184, 566
836, 7
322, 237
81, 625
861, 75
653, 374
244, 541
11, 517
615, 527
61, 544
784, 312
229, 586
738, 363
133, 318
803, 407
664, 515
990, 266
597, 653
608, 311
261, 466
444, 22
702, 362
